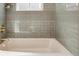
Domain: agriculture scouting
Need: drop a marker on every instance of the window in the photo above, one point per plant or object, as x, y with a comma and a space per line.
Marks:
29, 6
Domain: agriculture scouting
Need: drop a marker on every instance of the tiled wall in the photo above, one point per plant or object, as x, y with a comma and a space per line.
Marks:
67, 27
31, 24
2, 18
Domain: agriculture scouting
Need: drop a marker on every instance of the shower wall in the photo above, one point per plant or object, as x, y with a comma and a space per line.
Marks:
67, 26
2, 18
31, 24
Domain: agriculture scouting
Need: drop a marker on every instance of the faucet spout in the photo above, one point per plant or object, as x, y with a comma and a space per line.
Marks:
1, 41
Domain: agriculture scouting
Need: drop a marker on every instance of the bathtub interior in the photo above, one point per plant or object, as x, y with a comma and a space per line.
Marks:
26, 45
34, 45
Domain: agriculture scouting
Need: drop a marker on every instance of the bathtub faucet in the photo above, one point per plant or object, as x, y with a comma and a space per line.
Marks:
1, 41
2, 30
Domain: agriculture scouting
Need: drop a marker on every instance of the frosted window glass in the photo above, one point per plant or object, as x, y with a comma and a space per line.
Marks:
72, 6
36, 6
22, 6
29, 6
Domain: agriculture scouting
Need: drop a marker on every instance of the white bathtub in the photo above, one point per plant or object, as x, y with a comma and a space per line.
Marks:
32, 46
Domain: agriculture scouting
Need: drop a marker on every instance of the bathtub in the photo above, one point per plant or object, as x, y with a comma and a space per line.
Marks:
33, 46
